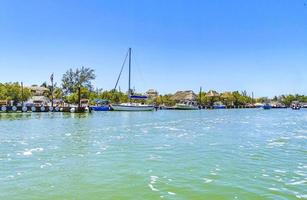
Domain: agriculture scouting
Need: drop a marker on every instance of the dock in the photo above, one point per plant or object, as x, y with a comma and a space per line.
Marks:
12, 109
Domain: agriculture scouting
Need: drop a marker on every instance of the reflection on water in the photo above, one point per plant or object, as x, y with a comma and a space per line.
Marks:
219, 154
15, 116
28, 115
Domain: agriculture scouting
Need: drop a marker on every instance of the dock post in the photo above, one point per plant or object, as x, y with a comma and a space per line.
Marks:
79, 98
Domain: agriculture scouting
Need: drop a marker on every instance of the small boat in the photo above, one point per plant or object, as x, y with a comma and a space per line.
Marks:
186, 106
101, 108
101, 105
130, 106
295, 105
258, 105
219, 105
279, 105
266, 106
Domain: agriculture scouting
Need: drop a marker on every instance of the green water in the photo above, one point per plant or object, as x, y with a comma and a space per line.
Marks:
217, 154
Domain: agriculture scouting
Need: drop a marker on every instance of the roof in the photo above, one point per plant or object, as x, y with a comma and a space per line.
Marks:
226, 95
101, 100
39, 98
38, 88
188, 95
152, 91
212, 93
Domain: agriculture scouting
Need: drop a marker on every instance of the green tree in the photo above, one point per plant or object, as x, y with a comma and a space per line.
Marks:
14, 92
74, 80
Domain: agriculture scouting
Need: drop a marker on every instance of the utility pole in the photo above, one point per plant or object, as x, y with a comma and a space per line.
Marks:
200, 91
21, 94
51, 79
79, 98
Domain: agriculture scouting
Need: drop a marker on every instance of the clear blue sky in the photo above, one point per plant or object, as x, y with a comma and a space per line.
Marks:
254, 45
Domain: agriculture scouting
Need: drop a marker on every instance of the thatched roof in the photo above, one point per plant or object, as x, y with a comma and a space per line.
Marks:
188, 95
38, 88
226, 95
212, 93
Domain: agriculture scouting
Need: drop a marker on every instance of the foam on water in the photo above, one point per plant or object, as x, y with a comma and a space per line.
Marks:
301, 196
207, 180
280, 171
301, 182
28, 152
301, 137
153, 180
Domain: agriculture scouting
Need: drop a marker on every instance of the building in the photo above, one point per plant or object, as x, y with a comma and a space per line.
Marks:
184, 96
39, 101
38, 91
151, 93
39, 97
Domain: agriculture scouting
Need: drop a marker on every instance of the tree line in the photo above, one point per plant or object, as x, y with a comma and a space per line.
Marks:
76, 84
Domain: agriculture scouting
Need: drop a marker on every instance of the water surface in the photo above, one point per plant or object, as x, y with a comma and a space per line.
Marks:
208, 154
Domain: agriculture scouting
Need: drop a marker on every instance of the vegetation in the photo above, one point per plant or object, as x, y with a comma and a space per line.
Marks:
79, 78
77, 84
76, 81
228, 98
13, 92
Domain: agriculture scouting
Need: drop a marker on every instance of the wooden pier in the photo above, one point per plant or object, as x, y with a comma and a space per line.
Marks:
12, 109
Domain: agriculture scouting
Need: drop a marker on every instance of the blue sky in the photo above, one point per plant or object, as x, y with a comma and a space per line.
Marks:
254, 45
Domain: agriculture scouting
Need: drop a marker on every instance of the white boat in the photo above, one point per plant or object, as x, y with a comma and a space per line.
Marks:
131, 106
185, 106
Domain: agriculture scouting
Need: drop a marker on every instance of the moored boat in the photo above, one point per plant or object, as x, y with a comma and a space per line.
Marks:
258, 105
295, 105
218, 105
130, 106
185, 106
101, 105
267, 106
100, 108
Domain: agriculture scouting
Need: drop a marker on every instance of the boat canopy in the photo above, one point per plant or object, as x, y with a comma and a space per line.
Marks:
100, 101
138, 97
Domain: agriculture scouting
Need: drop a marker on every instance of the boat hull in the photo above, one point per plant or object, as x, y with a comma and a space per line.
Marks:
186, 108
131, 108
267, 107
100, 108
219, 107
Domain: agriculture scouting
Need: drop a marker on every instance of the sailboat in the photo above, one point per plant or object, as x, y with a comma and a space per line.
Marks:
131, 106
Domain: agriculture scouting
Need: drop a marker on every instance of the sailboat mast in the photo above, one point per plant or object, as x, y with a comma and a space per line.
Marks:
129, 84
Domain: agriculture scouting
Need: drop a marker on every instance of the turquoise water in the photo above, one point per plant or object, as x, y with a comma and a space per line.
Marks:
208, 154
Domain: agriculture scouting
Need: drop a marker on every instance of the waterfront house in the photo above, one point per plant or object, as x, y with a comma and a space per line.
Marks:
151, 93
212, 96
186, 97
39, 97
39, 101
38, 91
